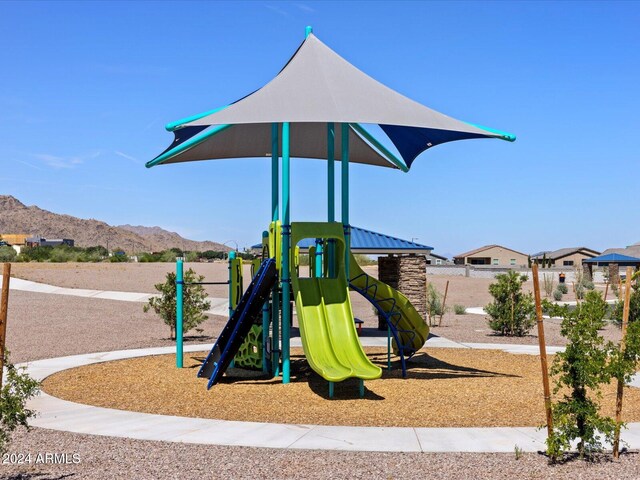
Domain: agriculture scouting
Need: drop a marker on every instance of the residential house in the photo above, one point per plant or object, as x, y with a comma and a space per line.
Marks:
564, 257
495, 255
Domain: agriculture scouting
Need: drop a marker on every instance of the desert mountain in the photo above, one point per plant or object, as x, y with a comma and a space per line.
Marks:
15, 217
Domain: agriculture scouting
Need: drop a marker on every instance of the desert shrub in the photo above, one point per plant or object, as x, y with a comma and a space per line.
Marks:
562, 287
434, 303
14, 394
588, 284
62, 254
547, 283
512, 312
580, 371
149, 257
194, 302
212, 255
35, 254
169, 256
557, 295
191, 256
118, 256
459, 309
7, 254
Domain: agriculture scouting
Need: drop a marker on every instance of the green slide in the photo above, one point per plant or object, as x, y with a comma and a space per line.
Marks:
327, 328
412, 328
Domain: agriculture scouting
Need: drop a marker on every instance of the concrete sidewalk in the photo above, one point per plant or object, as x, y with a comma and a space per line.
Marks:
219, 306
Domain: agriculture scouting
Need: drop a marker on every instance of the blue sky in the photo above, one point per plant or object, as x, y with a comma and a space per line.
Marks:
87, 88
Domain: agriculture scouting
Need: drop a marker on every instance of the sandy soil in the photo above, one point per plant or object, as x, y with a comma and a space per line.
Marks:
42, 326
444, 388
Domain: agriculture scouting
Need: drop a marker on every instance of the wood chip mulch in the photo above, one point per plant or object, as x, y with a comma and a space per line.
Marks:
444, 388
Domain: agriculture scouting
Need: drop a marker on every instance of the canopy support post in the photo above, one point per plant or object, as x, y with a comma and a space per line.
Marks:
285, 273
345, 196
331, 194
275, 292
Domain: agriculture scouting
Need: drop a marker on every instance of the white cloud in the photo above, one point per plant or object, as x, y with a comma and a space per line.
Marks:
55, 161
128, 157
305, 8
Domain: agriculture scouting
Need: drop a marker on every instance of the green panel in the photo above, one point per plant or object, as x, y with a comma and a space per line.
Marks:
235, 264
250, 353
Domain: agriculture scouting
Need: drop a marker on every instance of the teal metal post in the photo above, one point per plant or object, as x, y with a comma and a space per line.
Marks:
179, 293
318, 260
331, 194
275, 215
286, 238
345, 196
308, 31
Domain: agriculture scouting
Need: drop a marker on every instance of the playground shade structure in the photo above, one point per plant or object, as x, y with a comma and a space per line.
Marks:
316, 87
295, 115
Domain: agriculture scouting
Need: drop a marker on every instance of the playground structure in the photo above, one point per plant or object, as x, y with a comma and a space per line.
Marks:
314, 91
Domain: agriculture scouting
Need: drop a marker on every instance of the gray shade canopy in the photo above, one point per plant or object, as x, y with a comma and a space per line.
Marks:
317, 87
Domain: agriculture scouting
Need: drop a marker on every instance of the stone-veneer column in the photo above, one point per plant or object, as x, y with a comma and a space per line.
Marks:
407, 274
614, 274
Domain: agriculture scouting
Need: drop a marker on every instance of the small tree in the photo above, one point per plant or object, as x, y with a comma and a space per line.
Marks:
194, 302
512, 312
586, 364
634, 306
7, 254
19, 388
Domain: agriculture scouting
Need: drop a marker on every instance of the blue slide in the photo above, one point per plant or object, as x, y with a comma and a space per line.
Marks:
238, 327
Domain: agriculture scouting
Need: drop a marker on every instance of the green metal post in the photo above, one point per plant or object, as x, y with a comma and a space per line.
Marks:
266, 320
388, 347
345, 195
179, 293
232, 256
286, 238
331, 193
275, 215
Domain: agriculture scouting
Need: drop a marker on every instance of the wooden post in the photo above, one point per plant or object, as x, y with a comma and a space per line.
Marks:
543, 351
606, 290
444, 302
4, 307
625, 321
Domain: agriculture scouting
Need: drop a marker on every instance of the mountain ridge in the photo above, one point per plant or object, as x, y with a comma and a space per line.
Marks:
16, 218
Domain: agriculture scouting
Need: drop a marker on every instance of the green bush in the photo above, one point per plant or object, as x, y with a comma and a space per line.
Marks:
19, 388
194, 302
586, 364
8, 254
557, 294
562, 287
548, 282
512, 312
212, 255
35, 254
434, 303
634, 305
459, 309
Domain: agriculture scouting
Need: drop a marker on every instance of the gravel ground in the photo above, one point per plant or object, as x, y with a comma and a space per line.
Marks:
112, 458
42, 326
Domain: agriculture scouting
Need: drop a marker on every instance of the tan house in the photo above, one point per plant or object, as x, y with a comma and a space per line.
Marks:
565, 257
495, 255
14, 238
